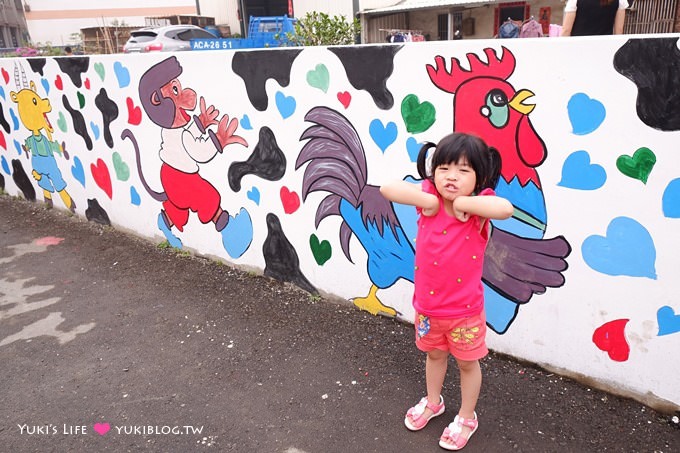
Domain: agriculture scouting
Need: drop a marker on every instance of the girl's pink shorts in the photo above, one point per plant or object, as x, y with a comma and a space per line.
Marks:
464, 338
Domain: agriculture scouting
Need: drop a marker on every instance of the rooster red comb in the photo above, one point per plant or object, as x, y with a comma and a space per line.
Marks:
500, 68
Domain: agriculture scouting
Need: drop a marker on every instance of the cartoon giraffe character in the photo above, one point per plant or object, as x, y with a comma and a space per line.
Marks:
33, 112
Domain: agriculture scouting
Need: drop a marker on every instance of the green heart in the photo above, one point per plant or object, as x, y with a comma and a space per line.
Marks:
321, 250
639, 166
99, 69
318, 78
417, 117
122, 169
61, 122
81, 99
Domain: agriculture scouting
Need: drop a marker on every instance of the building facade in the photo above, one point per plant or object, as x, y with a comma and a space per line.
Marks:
13, 28
57, 23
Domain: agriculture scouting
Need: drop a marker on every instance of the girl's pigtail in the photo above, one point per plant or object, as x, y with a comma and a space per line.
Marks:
495, 165
422, 160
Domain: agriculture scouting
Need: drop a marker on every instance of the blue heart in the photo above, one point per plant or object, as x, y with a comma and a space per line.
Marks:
579, 173
15, 120
238, 234
122, 74
382, 135
254, 194
2, 92
285, 104
585, 114
671, 199
77, 171
95, 130
135, 199
5, 165
413, 148
18, 147
245, 123
628, 249
668, 321
46, 85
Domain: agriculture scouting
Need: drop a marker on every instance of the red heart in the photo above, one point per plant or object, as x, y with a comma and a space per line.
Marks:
100, 173
290, 200
610, 338
87, 83
58, 83
134, 113
5, 75
3, 143
345, 98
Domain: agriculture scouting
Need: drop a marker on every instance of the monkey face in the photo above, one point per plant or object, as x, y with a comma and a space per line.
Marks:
184, 100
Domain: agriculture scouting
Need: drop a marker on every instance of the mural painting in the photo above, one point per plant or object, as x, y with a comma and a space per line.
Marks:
272, 159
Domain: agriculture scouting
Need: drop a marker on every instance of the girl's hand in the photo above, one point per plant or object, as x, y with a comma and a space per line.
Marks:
460, 215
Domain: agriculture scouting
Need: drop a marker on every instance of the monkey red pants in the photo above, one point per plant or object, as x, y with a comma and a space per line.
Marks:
188, 191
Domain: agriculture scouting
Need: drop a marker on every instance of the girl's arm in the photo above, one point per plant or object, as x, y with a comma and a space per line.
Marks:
488, 207
406, 193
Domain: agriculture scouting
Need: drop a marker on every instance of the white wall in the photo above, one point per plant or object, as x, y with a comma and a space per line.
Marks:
615, 318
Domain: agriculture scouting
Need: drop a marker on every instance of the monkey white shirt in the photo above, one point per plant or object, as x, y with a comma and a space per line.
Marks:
183, 148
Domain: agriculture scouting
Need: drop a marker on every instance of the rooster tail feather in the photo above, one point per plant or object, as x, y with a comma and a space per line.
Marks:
345, 235
331, 172
328, 206
340, 126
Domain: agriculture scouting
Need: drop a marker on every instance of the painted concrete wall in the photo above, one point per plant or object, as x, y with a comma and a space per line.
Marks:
294, 142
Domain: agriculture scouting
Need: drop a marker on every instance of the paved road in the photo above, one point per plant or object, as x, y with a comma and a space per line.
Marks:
110, 343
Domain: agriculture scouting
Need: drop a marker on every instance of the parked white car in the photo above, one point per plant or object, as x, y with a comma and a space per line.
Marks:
169, 38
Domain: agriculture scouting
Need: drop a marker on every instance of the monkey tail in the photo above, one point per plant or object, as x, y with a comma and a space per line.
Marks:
158, 196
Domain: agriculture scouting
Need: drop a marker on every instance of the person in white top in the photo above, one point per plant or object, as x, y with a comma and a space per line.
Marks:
594, 17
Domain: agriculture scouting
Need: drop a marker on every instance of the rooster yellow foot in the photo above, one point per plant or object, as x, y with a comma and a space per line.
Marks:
372, 304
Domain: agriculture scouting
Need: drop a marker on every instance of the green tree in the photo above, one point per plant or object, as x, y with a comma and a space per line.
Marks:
320, 29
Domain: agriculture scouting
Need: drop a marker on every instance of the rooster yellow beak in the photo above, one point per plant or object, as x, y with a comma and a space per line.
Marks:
518, 104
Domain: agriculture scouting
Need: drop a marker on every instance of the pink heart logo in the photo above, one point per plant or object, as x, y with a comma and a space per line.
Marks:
290, 200
345, 98
610, 338
102, 428
102, 177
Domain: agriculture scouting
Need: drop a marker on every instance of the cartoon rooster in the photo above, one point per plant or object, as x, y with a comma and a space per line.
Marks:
518, 262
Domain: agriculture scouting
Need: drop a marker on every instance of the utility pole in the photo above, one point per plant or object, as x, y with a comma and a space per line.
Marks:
198, 7
243, 19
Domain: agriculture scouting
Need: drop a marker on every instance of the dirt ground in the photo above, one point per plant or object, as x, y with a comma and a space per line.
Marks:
165, 339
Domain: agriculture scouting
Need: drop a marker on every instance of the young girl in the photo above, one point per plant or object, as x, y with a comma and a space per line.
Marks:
455, 204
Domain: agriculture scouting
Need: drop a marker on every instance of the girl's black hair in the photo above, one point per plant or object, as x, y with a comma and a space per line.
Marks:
484, 160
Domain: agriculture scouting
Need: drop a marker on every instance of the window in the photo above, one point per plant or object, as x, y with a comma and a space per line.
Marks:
443, 27
13, 35
517, 11
457, 22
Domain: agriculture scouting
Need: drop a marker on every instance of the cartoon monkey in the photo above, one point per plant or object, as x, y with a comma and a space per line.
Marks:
185, 143
33, 112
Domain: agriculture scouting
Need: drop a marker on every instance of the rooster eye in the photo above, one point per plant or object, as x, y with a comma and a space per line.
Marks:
496, 108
